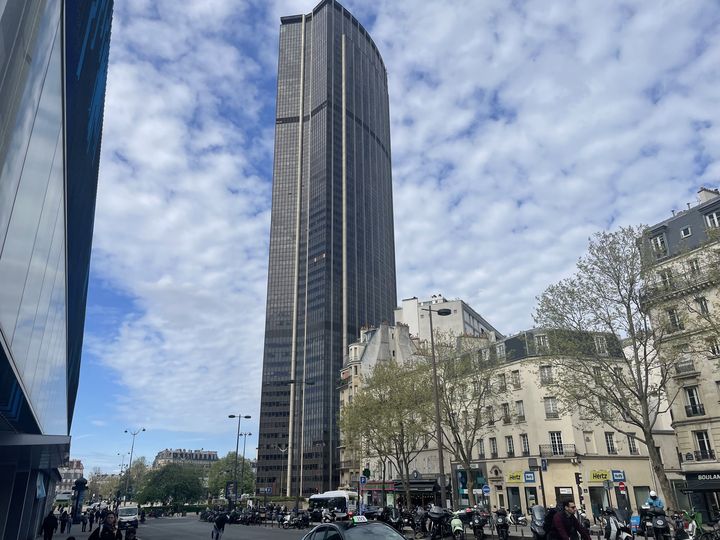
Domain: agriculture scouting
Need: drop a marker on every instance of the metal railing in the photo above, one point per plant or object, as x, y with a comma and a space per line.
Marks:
520, 418
552, 414
685, 366
695, 410
554, 450
704, 455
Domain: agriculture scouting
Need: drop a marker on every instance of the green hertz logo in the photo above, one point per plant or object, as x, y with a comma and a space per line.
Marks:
599, 476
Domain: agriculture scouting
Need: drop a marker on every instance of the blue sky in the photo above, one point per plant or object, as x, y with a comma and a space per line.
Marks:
518, 130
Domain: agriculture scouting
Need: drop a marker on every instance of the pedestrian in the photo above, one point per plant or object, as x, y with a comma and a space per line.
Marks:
49, 525
63, 521
84, 520
566, 525
219, 526
106, 530
91, 519
69, 523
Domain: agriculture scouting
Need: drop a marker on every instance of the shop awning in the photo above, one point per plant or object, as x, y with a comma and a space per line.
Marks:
418, 486
703, 481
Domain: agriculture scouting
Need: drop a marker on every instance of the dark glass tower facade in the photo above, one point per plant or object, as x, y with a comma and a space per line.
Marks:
53, 67
332, 252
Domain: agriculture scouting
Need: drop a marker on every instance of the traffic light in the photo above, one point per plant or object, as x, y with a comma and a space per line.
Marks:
578, 478
366, 472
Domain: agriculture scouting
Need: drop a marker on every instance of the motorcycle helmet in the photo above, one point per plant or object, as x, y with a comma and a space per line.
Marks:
653, 494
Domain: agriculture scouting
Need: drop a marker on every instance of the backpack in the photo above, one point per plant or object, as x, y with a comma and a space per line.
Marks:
548, 523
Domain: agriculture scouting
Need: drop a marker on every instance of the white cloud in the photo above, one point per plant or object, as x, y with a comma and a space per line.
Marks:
518, 130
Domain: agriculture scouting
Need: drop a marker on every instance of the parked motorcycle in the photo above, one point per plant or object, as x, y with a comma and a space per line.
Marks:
502, 524
615, 527
537, 522
439, 522
516, 517
457, 526
654, 523
478, 522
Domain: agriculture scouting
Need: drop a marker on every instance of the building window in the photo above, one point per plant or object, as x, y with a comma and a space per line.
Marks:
632, 445
490, 415
515, 378
493, 447
541, 343
694, 407
505, 413
702, 304
510, 445
502, 383
525, 444
485, 355
500, 350
610, 442
703, 445
546, 375
601, 345
674, 320
551, 410
694, 267
659, 246
713, 219
666, 279
481, 448
685, 232
713, 345
556, 443
520, 409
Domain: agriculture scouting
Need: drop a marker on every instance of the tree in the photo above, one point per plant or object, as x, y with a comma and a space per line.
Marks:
102, 486
223, 471
465, 390
388, 415
133, 477
174, 483
604, 304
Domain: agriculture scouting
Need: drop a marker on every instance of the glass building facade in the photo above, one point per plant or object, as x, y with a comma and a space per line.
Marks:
332, 252
53, 66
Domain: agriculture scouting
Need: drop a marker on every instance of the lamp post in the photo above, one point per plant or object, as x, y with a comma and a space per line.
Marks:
242, 474
132, 448
438, 427
295, 443
283, 449
237, 444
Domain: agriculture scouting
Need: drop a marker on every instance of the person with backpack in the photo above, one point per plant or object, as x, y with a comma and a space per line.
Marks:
48, 526
565, 524
107, 530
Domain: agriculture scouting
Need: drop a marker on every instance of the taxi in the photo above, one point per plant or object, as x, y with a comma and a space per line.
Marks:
358, 528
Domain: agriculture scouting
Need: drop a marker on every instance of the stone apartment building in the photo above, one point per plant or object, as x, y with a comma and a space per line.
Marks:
570, 456
200, 458
71, 472
682, 257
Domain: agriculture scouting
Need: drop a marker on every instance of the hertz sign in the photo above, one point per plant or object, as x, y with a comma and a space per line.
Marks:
515, 477
600, 476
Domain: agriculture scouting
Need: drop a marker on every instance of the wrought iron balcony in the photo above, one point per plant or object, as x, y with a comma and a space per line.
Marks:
695, 410
552, 414
506, 419
520, 418
557, 450
704, 455
684, 367
511, 453
493, 455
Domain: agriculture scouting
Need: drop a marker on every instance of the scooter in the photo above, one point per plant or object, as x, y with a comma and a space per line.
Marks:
502, 524
537, 522
516, 517
440, 522
457, 526
614, 528
477, 523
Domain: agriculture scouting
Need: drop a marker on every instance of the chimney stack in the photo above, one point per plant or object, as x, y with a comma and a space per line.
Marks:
707, 194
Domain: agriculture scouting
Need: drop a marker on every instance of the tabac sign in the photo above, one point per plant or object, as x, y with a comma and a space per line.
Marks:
600, 476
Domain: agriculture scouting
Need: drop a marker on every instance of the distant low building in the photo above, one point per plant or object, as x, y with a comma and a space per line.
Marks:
200, 458
69, 474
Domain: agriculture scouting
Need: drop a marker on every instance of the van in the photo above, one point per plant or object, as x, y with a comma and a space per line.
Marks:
128, 516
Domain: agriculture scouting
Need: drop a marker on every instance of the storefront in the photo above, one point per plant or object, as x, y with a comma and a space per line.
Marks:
704, 490
422, 492
378, 493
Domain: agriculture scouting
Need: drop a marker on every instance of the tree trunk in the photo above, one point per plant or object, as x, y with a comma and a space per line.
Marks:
659, 470
470, 484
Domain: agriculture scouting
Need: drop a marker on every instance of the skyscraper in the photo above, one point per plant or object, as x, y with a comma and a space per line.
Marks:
53, 67
332, 252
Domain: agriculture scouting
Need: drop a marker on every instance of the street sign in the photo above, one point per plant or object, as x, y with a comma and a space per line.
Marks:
608, 484
621, 485
529, 477
486, 490
618, 476
363, 480
265, 490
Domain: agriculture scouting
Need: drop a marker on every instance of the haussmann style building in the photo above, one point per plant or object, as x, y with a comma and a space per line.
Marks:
332, 254
53, 66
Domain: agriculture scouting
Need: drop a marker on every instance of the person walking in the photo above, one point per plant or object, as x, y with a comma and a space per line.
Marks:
106, 530
63, 521
91, 519
566, 525
49, 525
83, 521
219, 526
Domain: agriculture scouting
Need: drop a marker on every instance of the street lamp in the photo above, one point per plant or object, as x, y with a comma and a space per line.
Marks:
283, 448
132, 448
237, 444
444, 312
242, 477
292, 440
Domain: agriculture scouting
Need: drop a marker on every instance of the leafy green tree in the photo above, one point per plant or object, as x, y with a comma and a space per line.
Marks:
388, 415
223, 471
133, 477
604, 304
172, 483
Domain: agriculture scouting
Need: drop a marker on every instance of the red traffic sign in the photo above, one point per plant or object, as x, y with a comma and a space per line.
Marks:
621, 485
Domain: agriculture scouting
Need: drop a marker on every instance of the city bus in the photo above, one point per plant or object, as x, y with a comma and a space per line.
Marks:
343, 500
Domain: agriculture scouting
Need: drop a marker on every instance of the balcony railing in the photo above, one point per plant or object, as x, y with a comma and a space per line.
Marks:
481, 455
545, 381
511, 453
493, 455
686, 366
526, 453
634, 452
557, 450
520, 418
507, 420
695, 410
552, 414
704, 455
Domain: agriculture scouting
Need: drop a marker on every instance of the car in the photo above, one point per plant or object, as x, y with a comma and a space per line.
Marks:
128, 516
372, 512
359, 528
